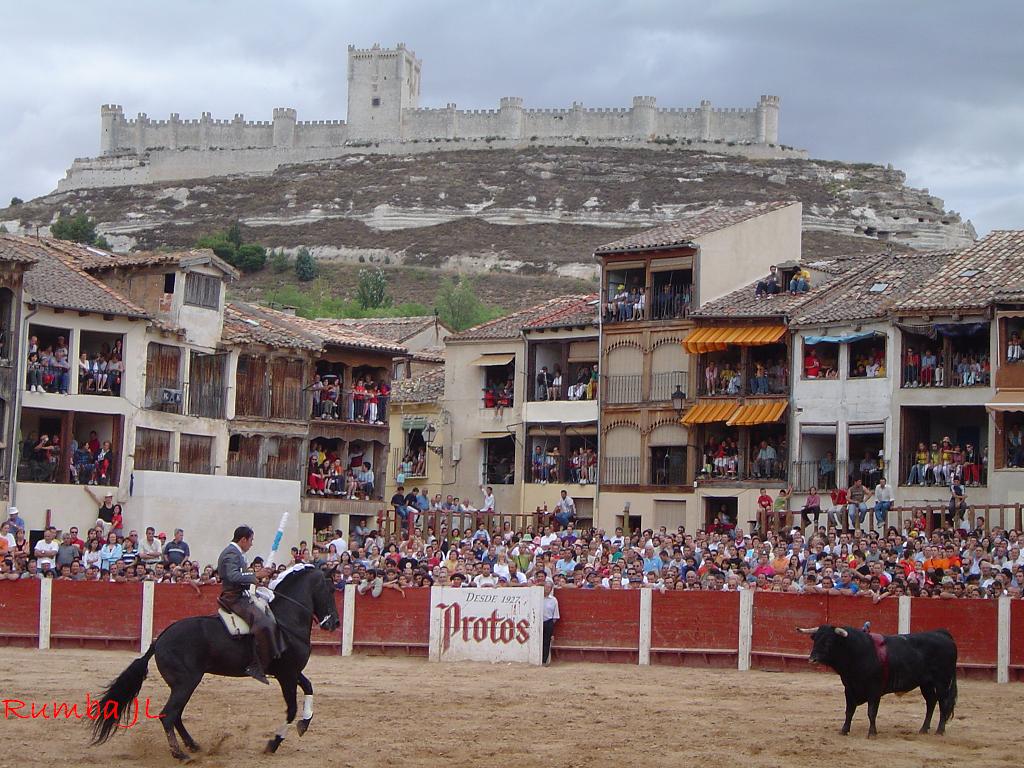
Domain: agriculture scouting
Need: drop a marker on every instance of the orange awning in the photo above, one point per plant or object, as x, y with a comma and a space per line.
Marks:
758, 412
710, 411
1008, 401
718, 337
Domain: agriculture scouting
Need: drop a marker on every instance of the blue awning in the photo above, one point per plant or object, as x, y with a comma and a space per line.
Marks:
850, 337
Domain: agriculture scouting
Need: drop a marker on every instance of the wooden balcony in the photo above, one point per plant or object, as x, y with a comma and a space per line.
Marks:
335, 505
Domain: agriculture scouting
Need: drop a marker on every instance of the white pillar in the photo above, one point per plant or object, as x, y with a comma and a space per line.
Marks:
646, 601
903, 622
746, 629
146, 640
45, 609
1003, 642
348, 619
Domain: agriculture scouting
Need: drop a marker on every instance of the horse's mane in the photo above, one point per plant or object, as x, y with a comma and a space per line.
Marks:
297, 568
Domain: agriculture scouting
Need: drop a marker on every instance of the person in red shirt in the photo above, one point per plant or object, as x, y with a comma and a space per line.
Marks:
764, 510
812, 366
837, 512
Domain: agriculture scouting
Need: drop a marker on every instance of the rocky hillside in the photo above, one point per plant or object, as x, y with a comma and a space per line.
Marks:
528, 212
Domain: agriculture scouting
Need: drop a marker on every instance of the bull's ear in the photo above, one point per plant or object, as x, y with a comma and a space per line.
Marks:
842, 632
807, 630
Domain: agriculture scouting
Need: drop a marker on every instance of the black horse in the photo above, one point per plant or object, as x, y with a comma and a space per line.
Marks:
200, 645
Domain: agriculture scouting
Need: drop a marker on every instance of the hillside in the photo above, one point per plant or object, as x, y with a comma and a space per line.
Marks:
536, 212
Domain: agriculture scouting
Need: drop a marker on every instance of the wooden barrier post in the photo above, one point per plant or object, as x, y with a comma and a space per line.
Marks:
746, 633
148, 590
1003, 642
45, 612
348, 619
646, 601
904, 615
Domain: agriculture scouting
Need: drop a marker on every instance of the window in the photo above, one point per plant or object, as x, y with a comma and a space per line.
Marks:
499, 460
878, 287
50, 367
206, 385
375, 101
287, 397
244, 455
196, 455
968, 272
6, 322
100, 364
867, 358
668, 465
821, 361
202, 290
163, 378
169, 282
251, 386
153, 450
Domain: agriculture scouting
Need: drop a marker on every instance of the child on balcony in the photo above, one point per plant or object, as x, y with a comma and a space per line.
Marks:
1013, 350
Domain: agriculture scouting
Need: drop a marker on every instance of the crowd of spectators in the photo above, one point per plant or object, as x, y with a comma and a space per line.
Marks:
769, 377
966, 369
49, 368
722, 459
671, 300
366, 402
868, 365
90, 461
328, 474
552, 385
946, 462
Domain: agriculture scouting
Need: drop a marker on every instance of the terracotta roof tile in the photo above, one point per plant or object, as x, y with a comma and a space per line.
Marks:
55, 280
245, 324
397, 329
290, 329
972, 278
688, 229
93, 259
743, 302
552, 313
427, 387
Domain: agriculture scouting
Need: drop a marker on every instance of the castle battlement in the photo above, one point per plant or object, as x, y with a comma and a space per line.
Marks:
383, 107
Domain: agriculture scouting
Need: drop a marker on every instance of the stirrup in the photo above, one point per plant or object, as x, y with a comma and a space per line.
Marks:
255, 671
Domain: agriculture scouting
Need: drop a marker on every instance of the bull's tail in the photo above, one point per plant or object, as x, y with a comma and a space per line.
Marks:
950, 697
115, 705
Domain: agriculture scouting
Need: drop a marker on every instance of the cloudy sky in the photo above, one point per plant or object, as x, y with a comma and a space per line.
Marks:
935, 87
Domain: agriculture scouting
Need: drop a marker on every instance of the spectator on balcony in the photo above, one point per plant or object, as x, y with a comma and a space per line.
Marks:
711, 377
812, 365
971, 466
538, 465
639, 304
327, 400
555, 390
544, 380
870, 469
61, 371
928, 366
957, 502
812, 507
769, 286
1014, 349
759, 385
366, 480
858, 496
371, 403
316, 481
765, 459
553, 463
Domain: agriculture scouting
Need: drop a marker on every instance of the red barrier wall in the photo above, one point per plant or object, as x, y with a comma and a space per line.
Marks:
96, 615
850, 611
1017, 640
329, 643
392, 624
695, 629
973, 624
177, 601
776, 644
597, 625
19, 613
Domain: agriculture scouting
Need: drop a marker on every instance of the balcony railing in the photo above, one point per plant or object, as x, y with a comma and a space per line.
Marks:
413, 469
664, 384
620, 470
971, 372
346, 408
747, 383
658, 304
939, 473
626, 388
825, 475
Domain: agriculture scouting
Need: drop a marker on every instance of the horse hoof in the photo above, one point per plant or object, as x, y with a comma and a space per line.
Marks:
302, 726
923, 730
181, 756
272, 745
191, 746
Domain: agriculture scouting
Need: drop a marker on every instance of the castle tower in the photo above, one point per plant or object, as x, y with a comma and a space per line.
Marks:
644, 117
382, 82
284, 127
510, 117
111, 119
768, 117
705, 120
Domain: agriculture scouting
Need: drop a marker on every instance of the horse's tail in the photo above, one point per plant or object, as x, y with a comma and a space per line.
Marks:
115, 705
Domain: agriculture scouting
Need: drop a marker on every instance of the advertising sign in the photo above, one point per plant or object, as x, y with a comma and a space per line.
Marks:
495, 625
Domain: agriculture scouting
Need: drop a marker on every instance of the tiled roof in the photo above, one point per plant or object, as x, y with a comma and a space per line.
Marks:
14, 251
425, 388
894, 278
972, 278
688, 229
93, 259
247, 324
574, 314
743, 302
54, 280
397, 329
292, 328
546, 315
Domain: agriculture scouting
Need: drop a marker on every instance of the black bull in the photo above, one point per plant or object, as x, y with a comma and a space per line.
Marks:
896, 664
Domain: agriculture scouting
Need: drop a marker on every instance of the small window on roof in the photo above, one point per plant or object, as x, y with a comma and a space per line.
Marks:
969, 272
878, 287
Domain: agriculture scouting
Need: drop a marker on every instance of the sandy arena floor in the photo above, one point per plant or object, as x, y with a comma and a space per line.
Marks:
407, 712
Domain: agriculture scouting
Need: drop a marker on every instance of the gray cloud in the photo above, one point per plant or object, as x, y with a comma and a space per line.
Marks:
934, 87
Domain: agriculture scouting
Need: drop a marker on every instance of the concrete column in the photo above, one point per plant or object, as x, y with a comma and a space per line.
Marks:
746, 629
903, 626
646, 601
348, 619
45, 610
148, 588
1003, 641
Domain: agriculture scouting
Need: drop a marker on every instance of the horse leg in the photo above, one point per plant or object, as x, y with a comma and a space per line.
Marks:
288, 684
171, 715
190, 743
307, 704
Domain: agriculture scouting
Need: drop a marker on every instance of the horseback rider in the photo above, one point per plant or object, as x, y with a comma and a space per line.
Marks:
235, 598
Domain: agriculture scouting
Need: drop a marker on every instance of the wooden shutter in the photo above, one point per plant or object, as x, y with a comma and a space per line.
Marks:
251, 386
196, 455
287, 397
152, 449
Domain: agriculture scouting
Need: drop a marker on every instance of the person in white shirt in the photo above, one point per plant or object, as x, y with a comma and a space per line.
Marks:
486, 578
340, 545
883, 503
549, 538
487, 507
550, 617
151, 549
46, 550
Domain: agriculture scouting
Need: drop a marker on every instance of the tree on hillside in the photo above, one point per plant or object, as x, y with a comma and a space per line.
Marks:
78, 229
251, 257
16, 201
279, 261
458, 306
372, 289
305, 265
234, 235
218, 243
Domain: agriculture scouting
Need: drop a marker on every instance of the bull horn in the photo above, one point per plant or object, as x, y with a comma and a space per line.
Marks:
807, 630
842, 632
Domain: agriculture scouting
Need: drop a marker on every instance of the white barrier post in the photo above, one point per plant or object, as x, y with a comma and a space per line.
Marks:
148, 588
1003, 642
348, 619
45, 610
903, 622
646, 601
746, 629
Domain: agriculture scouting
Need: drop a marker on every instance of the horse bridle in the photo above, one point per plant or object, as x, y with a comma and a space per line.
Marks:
310, 611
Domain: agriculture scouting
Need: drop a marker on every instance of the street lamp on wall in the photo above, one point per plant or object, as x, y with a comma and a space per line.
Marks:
429, 434
679, 399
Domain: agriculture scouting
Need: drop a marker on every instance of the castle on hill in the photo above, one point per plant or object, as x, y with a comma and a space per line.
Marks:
383, 105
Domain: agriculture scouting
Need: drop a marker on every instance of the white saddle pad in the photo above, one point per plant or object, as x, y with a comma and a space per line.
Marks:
237, 626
